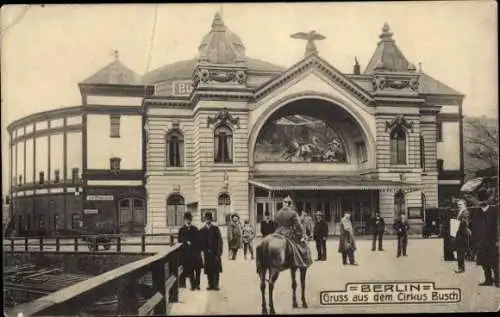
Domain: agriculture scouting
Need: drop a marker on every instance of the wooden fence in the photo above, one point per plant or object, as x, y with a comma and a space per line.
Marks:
165, 271
93, 242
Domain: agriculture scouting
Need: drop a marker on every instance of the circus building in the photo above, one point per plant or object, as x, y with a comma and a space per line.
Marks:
225, 133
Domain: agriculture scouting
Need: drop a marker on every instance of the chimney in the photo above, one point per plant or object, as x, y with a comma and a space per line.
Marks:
356, 68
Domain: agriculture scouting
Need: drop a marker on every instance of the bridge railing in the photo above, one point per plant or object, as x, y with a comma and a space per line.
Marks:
92, 241
165, 273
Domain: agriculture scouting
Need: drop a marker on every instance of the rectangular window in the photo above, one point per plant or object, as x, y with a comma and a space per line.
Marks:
439, 131
74, 175
114, 163
114, 121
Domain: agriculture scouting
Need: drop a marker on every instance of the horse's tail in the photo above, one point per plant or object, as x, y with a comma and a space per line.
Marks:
260, 259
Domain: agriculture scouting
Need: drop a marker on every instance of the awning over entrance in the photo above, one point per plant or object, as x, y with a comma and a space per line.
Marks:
283, 183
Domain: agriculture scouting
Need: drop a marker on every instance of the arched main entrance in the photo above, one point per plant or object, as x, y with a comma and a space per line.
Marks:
313, 150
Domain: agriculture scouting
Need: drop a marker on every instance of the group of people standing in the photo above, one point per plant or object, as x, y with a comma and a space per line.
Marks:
480, 233
238, 236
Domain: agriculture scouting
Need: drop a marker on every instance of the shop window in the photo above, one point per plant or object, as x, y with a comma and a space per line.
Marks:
125, 211
175, 148
175, 210
75, 220
139, 211
224, 207
399, 203
398, 146
223, 145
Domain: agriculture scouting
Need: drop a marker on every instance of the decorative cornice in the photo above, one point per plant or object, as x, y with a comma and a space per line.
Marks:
222, 118
399, 83
400, 122
313, 62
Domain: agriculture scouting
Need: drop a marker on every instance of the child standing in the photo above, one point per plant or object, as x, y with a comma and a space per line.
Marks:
248, 233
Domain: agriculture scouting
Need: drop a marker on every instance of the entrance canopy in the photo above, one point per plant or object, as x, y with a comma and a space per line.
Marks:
284, 183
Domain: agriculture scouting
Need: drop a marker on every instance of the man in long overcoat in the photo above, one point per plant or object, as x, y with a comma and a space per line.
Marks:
402, 227
320, 235
378, 228
191, 260
234, 235
347, 243
463, 234
486, 239
211, 246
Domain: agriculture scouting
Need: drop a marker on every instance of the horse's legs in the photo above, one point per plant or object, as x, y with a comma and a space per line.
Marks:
303, 272
273, 276
263, 290
294, 287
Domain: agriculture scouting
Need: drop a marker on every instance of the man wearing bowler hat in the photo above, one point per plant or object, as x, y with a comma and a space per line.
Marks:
211, 245
191, 260
320, 235
485, 232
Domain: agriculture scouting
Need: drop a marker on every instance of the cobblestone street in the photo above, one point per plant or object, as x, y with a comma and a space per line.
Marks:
240, 291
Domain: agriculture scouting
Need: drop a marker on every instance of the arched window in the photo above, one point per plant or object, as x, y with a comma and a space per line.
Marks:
175, 210
422, 152
399, 203
57, 221
75, 220
223, 145
398, 146
224, 207
175, 148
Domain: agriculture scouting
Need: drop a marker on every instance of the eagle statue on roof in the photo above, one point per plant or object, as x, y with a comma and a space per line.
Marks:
310, 38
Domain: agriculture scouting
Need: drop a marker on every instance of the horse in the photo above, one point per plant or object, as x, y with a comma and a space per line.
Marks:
273, 255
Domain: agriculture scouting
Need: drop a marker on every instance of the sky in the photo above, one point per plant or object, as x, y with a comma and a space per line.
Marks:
52, 48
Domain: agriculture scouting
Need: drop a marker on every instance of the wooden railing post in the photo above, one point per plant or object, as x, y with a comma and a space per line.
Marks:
159, 278
11, 244
143, 243
173, 270
172, 240
76, 244
41, 244
25, 244
57, 244
118, 244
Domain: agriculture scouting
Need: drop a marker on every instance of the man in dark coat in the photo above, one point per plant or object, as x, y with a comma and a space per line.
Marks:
211, 245
234, 235
378, 228
267, 226
401, 226
486, 239
462, 235
320, 235
191, 260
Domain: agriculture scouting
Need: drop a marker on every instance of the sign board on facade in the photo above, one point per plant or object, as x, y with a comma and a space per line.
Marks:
182, 87
100, 197
90, 211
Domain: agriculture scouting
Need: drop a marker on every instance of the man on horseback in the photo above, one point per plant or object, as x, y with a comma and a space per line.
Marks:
289, 225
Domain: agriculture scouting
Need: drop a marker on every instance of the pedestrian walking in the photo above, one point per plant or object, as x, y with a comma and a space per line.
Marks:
211, 246
320, 235
378, 228
248, 233
486, 239
462, 235
307, 222
401, 226
189, 235
234, 235
347, 243
267, 226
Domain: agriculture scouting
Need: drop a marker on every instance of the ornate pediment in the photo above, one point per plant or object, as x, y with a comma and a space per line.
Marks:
224, 117
399, 121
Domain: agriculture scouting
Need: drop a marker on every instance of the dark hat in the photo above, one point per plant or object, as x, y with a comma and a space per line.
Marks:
235, 215
208, 216
482, 195
188, 216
